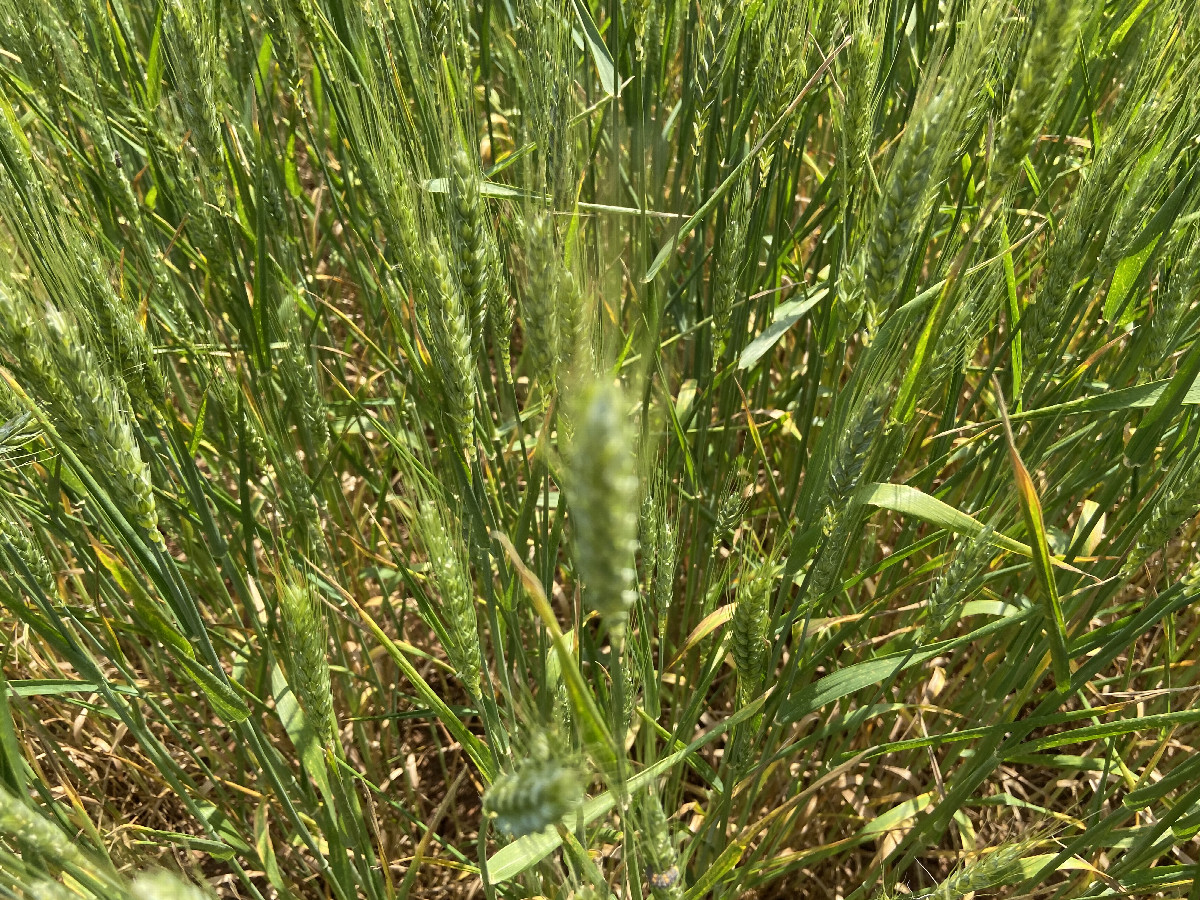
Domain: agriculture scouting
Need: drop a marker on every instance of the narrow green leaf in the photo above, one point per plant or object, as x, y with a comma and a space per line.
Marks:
1128, 272
215, 849
1014, 312
12, 763
1187, 772
1110, 729
853, 678
895, 816
52, 687
606, 69
1031, 508
227, 703
786, 315
911, 501
198, 428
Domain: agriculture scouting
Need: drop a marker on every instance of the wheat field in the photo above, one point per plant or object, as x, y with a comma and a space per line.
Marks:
580, 449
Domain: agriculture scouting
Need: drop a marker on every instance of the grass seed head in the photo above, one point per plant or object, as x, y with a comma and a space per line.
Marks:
731, 261
751, 618
540, 792
304, 651
540, 308
602, 490
471, 237
1000, 867
658, 843
1177, 503
16, 541
957, 582
1040, 78
85, 394
37, 836
451, 342
453, 582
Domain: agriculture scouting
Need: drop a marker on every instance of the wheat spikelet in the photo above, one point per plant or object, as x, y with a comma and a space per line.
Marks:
192, 57
470, 238
730, 513
304, 652
749, 631
299, 375
540, 308
664, 568
839, 507
857, 102
656, 535
1149, 184
89, 407
1038, 83
1173, 304
1174, 506
571, 320
713, 31
451, 340
458, 600
72, 272
662, 859
499, 308
1091, 211
967, 324
19, 545
1001, 866
540, 792
631, 687
107, 432
782, 39
934, 135
850, 457
602, 490
546, 33
901, 212
956, 582
444, 32
732, 259
28, 32
279, 26
37, 836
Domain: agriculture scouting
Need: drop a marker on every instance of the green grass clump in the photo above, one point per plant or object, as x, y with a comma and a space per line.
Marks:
583, 448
